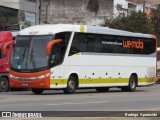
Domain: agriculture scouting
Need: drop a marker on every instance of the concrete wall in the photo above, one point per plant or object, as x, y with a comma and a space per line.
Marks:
23, 6
32, 7
10, 3
91, 12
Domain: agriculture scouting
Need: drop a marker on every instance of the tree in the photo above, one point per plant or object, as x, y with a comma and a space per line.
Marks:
155, 18
136, 22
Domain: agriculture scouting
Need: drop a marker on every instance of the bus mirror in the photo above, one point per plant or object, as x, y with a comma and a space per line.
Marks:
6, 45
50, 44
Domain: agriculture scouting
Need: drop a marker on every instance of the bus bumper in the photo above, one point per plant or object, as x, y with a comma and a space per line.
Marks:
30, 80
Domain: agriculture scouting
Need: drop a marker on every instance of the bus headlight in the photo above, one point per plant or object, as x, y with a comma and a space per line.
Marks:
41, 77
30, 78
11, 76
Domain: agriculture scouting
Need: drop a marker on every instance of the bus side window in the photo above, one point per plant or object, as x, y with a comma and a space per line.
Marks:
75, 47
90, 43
55, 56
59, 49
107, 46
78, 44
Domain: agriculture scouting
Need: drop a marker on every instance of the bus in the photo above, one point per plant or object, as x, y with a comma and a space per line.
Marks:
68, 57
158, 65
5, 37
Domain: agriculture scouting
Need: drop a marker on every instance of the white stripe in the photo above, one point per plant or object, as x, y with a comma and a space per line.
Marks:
103, 85
79, 103
58, 86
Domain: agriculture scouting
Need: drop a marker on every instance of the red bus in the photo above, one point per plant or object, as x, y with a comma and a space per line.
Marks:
6, 39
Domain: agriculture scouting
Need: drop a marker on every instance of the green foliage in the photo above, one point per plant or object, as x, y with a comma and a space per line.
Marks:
136, 22
155, 18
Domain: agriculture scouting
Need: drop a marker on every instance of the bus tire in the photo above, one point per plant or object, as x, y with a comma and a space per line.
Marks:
132, 84
102, 89
37, 91
71, 85
4, 84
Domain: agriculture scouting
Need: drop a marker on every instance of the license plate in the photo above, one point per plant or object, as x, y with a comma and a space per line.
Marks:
24, 84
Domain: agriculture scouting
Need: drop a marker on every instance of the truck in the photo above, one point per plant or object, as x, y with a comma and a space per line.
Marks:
6, 39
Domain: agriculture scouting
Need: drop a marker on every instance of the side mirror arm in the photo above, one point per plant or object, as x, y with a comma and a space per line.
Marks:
5, 46
50, 44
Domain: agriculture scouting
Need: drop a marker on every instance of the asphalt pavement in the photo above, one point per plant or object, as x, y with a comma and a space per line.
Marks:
83, 101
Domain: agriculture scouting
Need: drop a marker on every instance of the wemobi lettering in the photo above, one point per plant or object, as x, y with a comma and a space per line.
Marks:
133, 44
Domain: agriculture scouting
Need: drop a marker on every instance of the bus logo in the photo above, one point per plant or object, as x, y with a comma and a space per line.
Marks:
133, 44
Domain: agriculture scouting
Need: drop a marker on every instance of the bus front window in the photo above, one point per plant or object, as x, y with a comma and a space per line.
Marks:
29, 53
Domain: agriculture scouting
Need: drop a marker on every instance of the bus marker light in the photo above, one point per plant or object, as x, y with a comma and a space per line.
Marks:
42, 84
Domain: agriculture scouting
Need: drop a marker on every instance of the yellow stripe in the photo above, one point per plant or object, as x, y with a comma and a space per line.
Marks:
82, 28
58, 81
101, 80
147, 80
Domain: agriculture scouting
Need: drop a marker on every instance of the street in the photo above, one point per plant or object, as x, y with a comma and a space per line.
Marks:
143, 99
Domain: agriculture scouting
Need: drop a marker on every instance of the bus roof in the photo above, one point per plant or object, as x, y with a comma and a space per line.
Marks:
55, 28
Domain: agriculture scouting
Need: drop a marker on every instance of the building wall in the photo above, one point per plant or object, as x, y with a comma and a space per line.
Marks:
124, 5
10, 3
29, 11
91, 12
23, 6
156, 2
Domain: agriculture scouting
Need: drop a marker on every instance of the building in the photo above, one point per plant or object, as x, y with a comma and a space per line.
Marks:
155, 2
91, 12
145, 5
123, 7
19, 11
120, 7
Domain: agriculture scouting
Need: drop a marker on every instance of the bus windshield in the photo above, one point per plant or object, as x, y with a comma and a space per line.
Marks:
29, 52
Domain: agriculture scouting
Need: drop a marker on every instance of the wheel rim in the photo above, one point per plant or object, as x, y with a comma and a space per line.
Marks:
132, 83
71, 85
3, 85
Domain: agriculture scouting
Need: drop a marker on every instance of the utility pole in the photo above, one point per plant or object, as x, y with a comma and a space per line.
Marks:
144, 6
46, 1
40, 5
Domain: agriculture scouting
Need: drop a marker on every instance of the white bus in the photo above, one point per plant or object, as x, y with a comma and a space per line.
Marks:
68, 57
158, 64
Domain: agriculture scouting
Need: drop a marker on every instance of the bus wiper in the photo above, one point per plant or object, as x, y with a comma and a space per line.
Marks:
32, 59
21, 58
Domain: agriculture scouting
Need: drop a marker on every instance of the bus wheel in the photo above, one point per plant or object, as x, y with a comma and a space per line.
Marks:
37, 91
71, 86
4, 84
102, 89
132, 84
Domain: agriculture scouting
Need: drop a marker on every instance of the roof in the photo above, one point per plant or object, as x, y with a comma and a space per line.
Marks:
5, 36
156, 2
55, 28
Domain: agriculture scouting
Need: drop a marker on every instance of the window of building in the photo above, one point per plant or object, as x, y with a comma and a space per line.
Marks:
31, 0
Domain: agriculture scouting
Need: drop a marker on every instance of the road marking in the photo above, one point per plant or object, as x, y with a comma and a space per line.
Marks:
149, 109
80, 103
